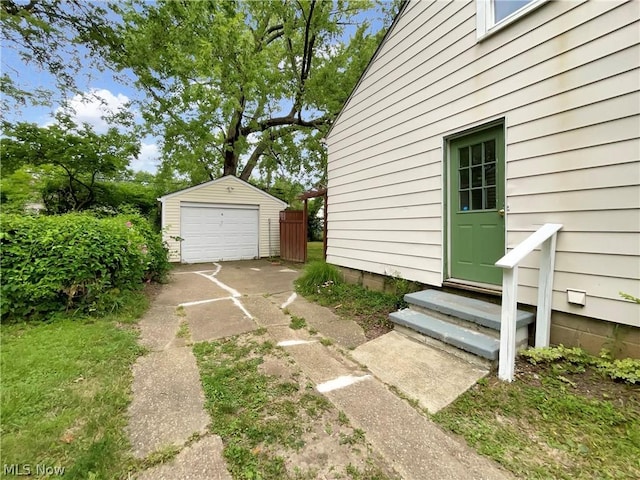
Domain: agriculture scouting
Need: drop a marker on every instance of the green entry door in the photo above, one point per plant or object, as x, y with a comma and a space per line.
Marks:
476, 202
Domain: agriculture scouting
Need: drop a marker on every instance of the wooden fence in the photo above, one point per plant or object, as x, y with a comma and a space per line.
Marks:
293, 236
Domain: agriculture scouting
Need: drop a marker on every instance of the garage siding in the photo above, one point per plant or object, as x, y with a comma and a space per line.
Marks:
230, 191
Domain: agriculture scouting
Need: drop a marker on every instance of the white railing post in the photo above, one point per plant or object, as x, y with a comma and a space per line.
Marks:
507, 360
545, 238
545, 291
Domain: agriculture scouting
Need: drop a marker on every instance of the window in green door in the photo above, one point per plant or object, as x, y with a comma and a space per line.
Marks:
477, 176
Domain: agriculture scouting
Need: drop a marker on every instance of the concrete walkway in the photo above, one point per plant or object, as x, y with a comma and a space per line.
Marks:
235, 297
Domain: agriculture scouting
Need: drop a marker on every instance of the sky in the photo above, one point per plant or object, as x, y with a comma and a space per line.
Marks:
102, 93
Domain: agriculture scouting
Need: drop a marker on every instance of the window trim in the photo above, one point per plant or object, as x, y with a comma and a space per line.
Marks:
485, 15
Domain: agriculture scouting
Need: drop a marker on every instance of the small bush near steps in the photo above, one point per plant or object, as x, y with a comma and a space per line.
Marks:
74, 262
577, 360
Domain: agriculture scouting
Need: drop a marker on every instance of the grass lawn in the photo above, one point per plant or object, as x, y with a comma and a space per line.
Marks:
553, 422
315, 251
65, 390
558, 420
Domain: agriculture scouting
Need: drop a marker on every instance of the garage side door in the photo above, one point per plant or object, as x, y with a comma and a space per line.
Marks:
212, 233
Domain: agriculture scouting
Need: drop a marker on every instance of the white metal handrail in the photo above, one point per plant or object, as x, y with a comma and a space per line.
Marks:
545, 238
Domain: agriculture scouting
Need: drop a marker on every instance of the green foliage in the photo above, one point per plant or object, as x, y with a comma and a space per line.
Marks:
401, 286
314, 223
626, 370
323, 283
46, 35
297, 323
123, 197
284, 188
576, 359
631, 298
239, 63
74, 261
17, 190
78, 156
156, 253
317, 275
315, 252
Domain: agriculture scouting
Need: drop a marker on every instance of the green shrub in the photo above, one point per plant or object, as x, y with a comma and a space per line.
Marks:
316, 275
626, 370
72, 261
157, 259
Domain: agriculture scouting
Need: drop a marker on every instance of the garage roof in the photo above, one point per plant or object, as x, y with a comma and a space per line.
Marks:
228, 178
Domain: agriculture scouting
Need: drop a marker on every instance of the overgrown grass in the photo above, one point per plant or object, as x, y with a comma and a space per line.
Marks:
317, 275
265, 419
238, 399
297, 323
322, 283
315, 252
65, 389
554, 421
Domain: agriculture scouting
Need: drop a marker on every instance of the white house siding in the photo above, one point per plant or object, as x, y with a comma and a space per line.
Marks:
217, 192
566, 80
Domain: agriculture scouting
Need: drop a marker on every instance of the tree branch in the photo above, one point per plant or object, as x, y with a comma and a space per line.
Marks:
290, 119
308, 45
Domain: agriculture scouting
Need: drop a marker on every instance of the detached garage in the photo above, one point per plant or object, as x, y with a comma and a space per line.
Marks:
225, 219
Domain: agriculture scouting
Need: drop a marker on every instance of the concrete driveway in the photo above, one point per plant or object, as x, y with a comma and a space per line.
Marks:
213, 296
225, 299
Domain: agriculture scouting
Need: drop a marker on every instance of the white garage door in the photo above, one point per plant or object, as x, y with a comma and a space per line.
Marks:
218, 232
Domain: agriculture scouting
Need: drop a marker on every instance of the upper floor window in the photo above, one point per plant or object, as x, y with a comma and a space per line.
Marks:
494, 14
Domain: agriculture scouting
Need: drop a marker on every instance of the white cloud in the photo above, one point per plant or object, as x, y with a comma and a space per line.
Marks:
148, 159
91, 107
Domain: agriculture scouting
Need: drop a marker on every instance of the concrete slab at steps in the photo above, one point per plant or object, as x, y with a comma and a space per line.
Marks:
200, 461
188, 287
412, 444
209, 321
165, 412
432, 377
321, 364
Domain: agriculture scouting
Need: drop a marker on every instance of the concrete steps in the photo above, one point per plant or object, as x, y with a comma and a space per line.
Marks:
467, 324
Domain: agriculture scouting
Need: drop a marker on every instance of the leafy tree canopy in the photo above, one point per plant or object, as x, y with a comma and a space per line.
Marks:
235, 86
79, 156
59, 37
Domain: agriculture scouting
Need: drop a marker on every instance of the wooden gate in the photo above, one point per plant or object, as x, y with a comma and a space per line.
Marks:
293, 236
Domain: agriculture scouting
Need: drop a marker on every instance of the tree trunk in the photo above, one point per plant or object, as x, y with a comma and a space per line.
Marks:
230, 163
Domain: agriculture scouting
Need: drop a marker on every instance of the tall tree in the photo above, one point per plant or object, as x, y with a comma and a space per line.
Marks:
237, 85
80, 157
